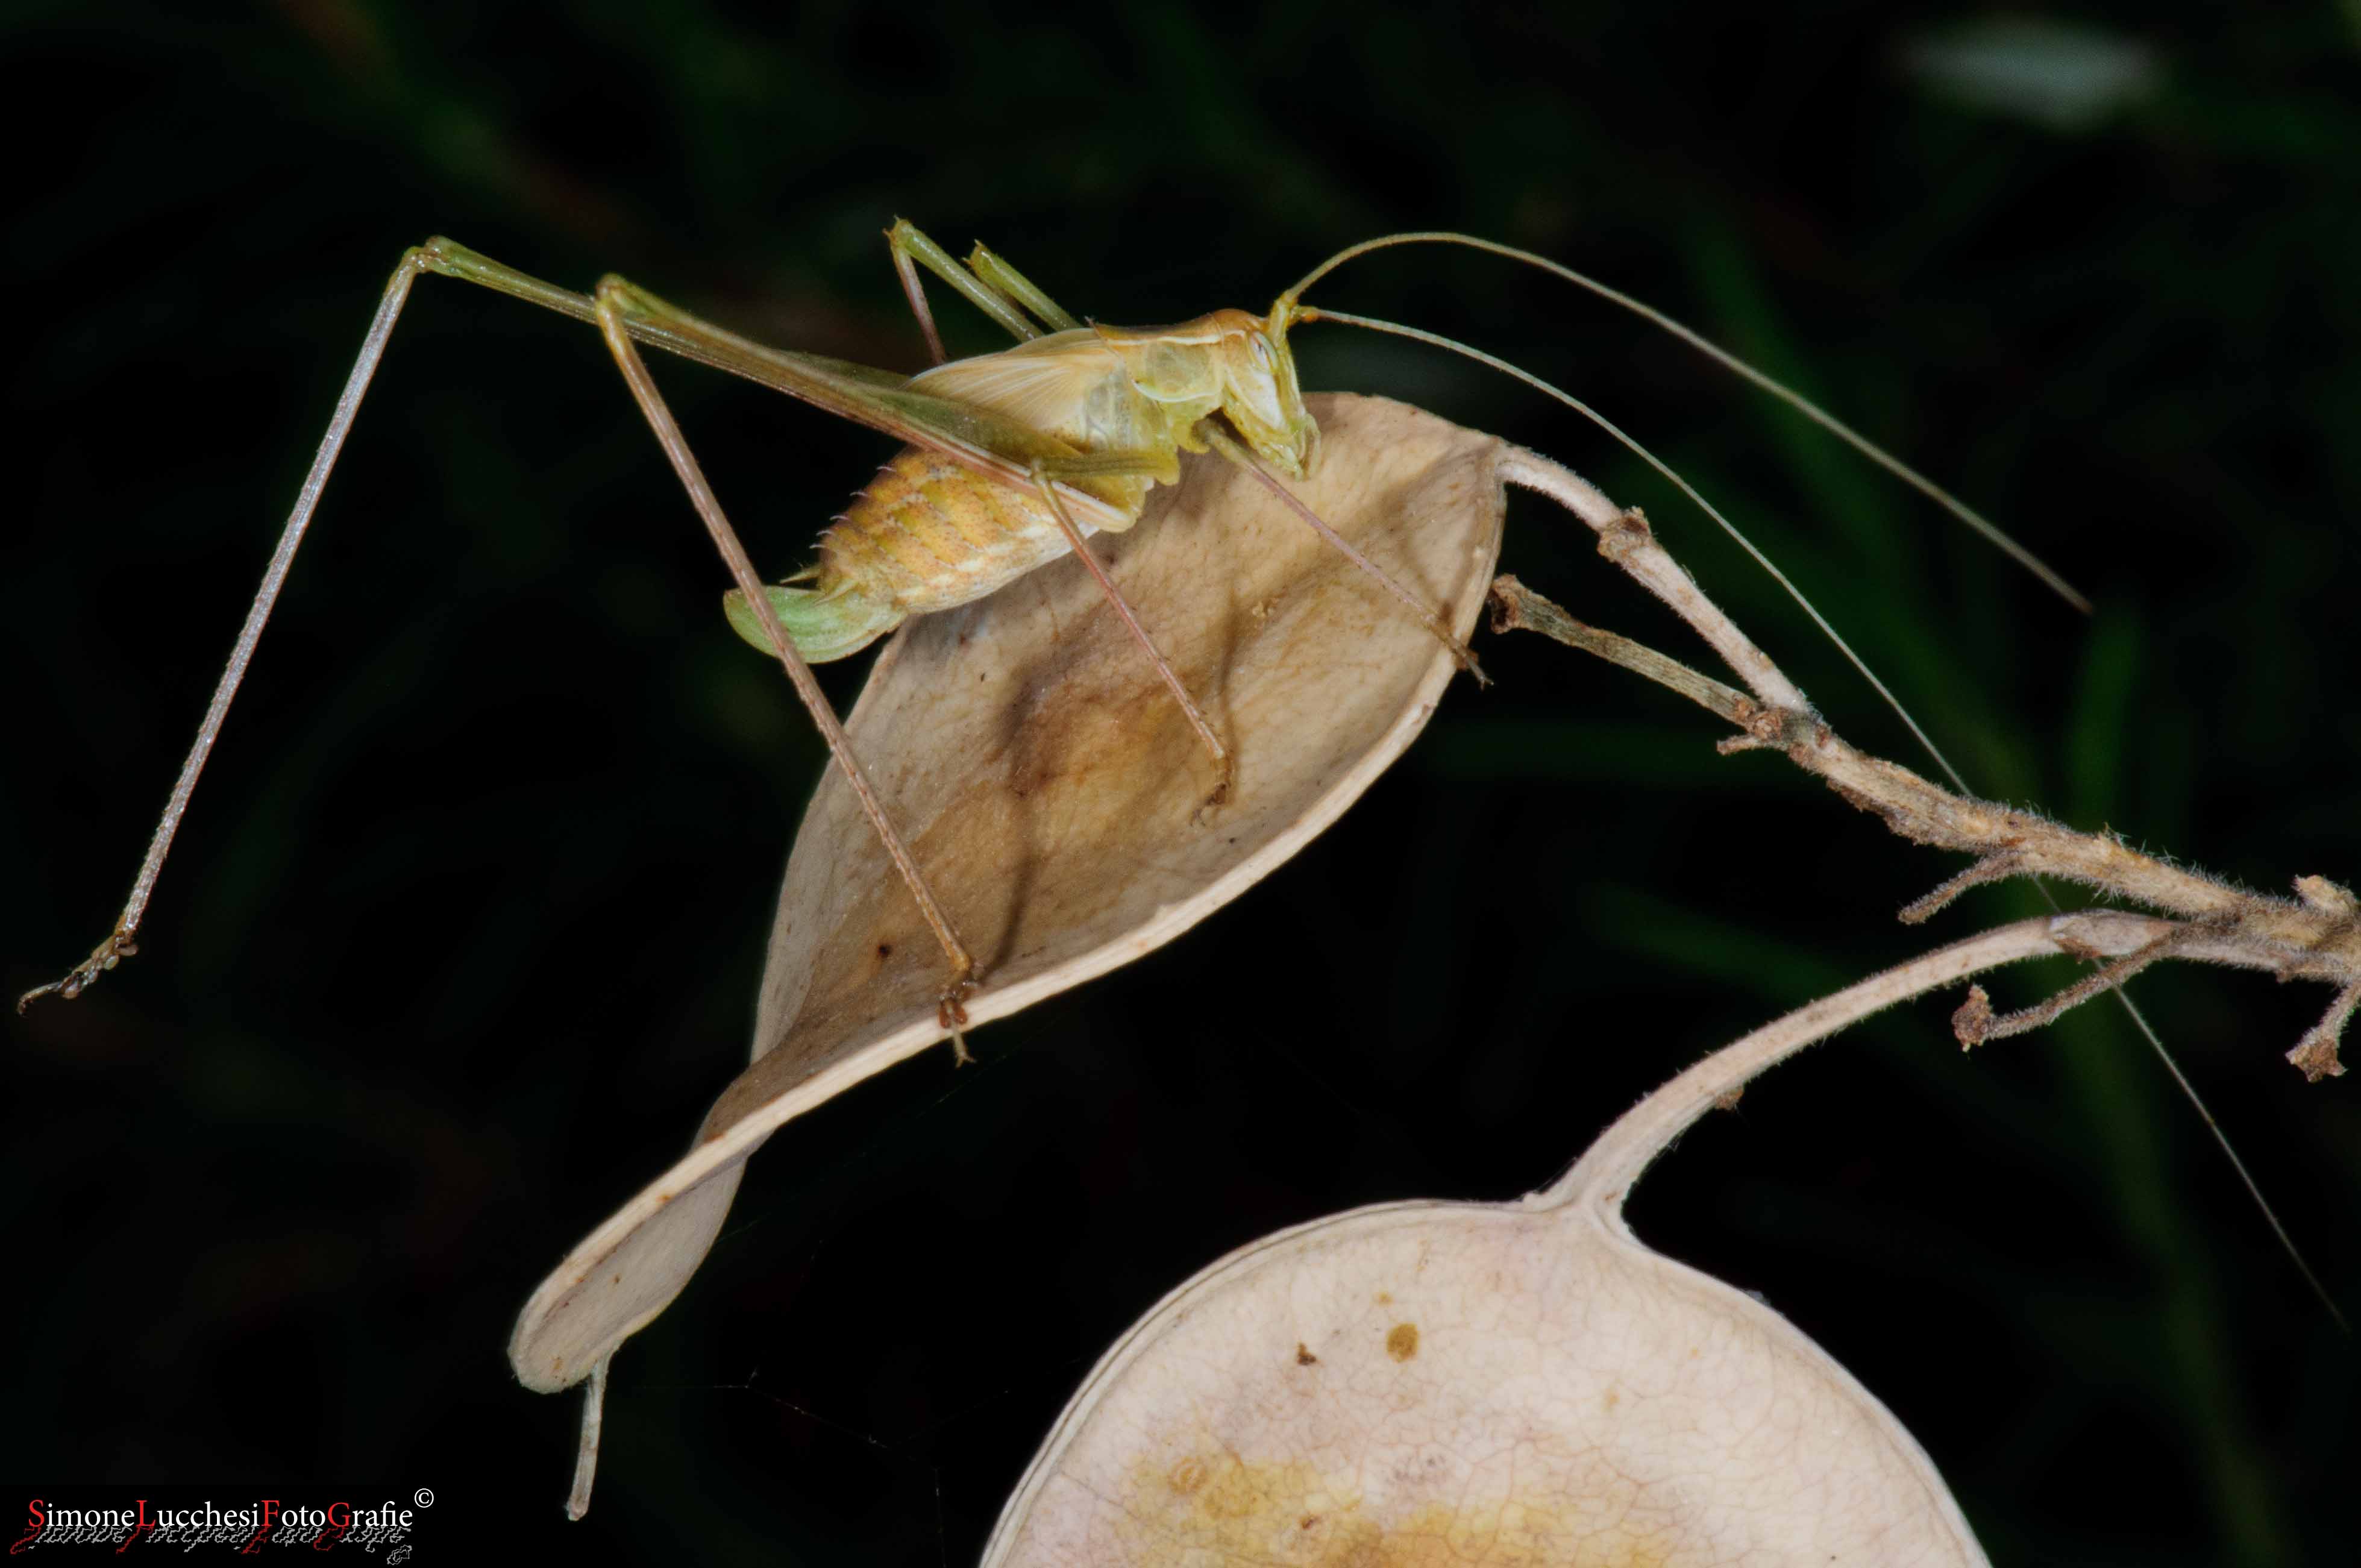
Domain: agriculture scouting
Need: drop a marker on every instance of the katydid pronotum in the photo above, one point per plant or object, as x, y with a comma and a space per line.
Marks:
1012, 458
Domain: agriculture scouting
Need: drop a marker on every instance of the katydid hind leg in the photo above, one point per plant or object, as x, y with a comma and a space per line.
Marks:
616, 301
123, 940
440, 256
823, 383
996, 447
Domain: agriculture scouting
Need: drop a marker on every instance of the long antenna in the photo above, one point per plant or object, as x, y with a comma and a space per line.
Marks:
1722, 357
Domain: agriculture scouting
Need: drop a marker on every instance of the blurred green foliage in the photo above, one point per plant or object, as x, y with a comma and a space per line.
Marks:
465, 930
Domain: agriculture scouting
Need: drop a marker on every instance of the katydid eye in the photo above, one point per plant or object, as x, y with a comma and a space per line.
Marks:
1262, 355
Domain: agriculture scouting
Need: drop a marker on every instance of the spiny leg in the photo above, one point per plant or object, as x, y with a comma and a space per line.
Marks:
1180, 690
617, 300
1427, 617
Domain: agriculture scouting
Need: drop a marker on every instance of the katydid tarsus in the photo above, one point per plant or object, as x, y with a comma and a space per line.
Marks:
1012, 459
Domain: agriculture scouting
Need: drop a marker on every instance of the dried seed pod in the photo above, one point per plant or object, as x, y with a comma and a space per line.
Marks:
1512, 1384
1054, 795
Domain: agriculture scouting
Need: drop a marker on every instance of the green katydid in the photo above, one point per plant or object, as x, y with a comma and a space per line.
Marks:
1012, 459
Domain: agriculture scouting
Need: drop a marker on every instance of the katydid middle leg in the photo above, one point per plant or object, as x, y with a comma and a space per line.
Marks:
911, 250
987, 282
618, 304
997, 273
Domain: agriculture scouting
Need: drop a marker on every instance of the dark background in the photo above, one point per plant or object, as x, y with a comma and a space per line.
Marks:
464, 931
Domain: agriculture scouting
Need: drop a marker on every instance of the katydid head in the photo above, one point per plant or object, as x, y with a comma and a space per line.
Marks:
1260, 394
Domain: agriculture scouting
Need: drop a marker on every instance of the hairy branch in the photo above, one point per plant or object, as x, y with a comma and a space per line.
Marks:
2314, 935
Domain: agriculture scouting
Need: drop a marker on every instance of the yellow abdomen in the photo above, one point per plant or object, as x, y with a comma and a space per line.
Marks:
929, 533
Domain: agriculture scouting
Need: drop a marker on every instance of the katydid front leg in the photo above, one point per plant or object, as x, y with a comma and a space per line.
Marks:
1320, 525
